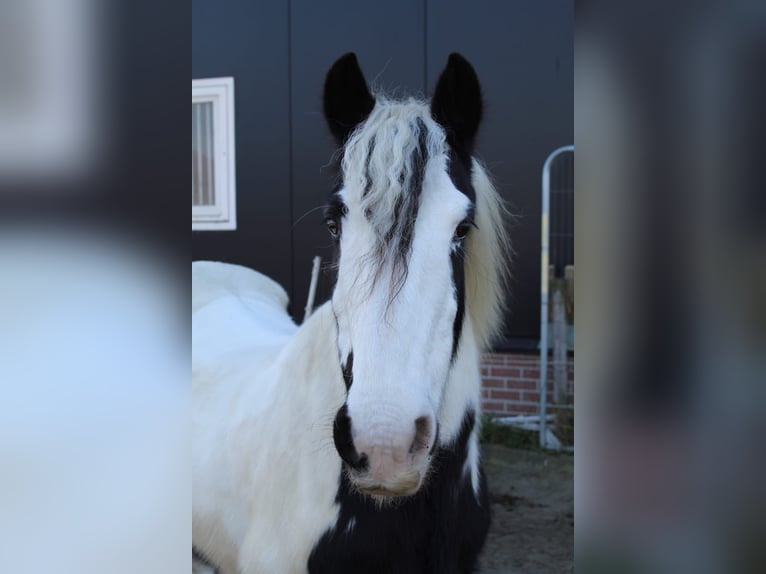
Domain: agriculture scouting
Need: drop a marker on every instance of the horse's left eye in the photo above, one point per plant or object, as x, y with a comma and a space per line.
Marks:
462, 230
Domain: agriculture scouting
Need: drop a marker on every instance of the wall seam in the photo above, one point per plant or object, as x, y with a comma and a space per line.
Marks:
425, 48
290, 161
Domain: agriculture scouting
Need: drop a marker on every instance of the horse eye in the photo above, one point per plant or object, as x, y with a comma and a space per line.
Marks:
333, 228
462, 230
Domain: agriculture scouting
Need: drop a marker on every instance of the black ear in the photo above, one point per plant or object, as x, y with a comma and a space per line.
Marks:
456, 104
347, 100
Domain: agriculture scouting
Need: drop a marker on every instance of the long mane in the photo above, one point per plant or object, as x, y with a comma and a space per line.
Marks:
488, 252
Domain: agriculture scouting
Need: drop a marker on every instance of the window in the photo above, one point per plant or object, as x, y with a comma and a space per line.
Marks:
213, 176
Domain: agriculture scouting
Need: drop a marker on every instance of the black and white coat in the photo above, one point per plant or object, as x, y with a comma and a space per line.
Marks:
350, 443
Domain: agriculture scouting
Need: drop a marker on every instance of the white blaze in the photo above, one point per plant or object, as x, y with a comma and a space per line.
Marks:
400, 333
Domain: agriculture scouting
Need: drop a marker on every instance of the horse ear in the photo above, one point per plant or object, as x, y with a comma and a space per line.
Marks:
456, 103
347, 99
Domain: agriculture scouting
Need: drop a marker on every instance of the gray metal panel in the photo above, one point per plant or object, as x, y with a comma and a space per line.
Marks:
523, 54
249, 40
388, 40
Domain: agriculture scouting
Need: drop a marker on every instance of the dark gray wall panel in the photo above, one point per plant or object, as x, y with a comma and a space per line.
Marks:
249, 40
388, 40
523, 53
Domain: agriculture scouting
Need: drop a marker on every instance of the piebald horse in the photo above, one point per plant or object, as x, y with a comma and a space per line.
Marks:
350, 443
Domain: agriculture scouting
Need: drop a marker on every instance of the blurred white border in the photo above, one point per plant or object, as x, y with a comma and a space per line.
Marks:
49, 127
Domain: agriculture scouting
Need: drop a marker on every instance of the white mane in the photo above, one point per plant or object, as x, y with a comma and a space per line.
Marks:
488, 253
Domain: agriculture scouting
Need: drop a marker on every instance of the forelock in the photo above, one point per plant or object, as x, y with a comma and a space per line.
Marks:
384, 165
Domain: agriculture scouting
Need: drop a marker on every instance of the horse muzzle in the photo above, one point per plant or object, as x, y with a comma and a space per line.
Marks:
385, 459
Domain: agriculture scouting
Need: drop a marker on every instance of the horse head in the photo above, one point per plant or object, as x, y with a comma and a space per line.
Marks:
401, 216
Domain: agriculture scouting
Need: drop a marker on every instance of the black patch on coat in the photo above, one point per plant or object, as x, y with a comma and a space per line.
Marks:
460, 173
200, 558
440, 530
348, 371
344, 444
457, 260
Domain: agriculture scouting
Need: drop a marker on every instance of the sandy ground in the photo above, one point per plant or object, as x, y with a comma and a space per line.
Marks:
532, 496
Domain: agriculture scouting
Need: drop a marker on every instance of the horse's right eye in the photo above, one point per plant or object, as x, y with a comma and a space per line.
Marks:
333, 228
462, 230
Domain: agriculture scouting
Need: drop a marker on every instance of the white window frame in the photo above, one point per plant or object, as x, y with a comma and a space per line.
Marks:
222, 215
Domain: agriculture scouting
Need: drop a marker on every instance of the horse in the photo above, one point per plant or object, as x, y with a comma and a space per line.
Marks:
350, 443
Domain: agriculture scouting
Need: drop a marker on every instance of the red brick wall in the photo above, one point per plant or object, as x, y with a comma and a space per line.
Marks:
510, 382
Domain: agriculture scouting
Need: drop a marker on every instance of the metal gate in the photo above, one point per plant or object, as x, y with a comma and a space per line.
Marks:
557, 263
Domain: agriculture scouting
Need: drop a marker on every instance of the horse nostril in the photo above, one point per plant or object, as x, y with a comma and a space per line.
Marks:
422, 435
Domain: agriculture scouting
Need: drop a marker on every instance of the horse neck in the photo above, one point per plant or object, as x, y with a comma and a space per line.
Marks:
308, 368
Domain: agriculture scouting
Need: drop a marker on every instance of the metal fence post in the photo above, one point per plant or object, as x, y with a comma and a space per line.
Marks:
544, 253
